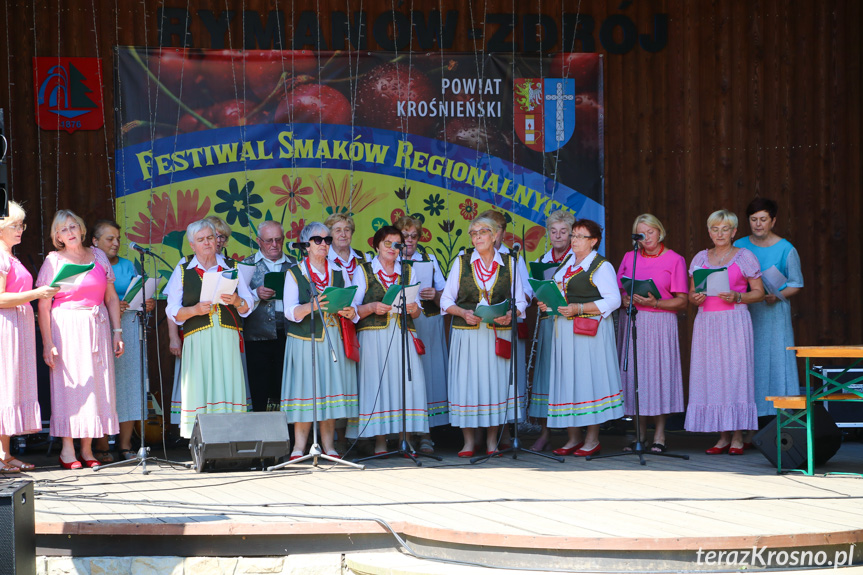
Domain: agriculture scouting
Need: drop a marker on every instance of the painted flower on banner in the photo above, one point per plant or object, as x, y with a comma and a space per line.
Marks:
434, 204
296, 228
234, 205
447, 226
469, 209
163, 218
346, 197
395, 215
292, 194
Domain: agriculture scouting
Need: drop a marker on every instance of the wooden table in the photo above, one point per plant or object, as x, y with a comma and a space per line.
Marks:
826, 386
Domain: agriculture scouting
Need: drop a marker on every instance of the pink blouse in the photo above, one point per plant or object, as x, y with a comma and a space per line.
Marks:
742, 267
91, 291
668, 272
18, 279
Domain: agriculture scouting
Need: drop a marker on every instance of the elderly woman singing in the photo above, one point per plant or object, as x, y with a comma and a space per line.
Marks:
336, 382
721, 376
211, 377
19, 405
79, 344
585, 388
479, 365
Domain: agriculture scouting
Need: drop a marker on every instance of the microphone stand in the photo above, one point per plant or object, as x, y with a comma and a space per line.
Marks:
407, 375
315, 451
143, 455
515, 447
632, 332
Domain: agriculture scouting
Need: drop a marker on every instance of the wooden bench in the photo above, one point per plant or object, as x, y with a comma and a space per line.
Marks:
819, 387
799, 401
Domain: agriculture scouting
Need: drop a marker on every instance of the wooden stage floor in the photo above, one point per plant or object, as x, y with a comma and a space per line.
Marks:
531, 502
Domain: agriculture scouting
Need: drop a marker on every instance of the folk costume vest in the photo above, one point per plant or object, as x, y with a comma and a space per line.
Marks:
303, 329
580, 287
470, 291
227, 315
375, 291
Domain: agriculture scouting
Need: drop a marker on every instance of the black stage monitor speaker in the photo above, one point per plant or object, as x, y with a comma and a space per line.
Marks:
17, 529
239, 441
827, 439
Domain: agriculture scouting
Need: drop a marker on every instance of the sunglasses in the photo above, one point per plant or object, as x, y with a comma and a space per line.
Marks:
318, 240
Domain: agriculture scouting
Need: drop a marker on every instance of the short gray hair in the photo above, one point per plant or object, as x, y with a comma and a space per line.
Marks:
266, 223
561, 216
196, 227
312, 229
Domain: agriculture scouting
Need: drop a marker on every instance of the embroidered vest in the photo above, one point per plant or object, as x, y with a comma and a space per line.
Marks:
580, 287
303, 329
469, 289
375, 292
227, 315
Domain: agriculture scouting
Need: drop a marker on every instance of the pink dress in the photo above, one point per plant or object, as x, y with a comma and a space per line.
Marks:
722, 372
660, 378
82, 382
19, 404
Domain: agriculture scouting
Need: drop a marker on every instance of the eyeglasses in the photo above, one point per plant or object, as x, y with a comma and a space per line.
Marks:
221, 237
388, 244
73, 228
19, 227
410, 236
273, 241
581, 237
478, 233
319, 240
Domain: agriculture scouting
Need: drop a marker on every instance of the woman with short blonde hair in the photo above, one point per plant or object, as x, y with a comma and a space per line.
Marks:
660, 377
721, 376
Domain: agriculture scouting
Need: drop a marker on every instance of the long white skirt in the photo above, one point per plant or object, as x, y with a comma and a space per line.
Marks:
584, 384
380, 386
480, 394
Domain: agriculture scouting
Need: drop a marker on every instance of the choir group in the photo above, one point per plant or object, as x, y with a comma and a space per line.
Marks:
252, 349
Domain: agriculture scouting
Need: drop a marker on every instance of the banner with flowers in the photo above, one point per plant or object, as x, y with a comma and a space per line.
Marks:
295, 136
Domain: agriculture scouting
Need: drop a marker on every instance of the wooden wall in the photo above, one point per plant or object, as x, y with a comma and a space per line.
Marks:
749, 97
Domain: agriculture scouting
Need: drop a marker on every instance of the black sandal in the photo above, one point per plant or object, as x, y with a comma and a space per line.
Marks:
658, 448
629, 448
128, 454
103, 456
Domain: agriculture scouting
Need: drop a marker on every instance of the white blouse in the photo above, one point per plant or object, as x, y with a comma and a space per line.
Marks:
292, 292
174, 289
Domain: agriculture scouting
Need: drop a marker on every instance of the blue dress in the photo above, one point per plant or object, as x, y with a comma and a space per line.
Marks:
775, 366
127, 368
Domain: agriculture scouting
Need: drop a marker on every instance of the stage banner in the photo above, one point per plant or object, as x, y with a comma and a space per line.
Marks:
295, 136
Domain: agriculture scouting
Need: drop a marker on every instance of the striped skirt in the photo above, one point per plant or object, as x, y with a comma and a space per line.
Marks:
585, 387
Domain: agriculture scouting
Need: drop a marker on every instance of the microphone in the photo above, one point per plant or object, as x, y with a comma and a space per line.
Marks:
398, 246
515, 248
300, 245
638, 237
140, 249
